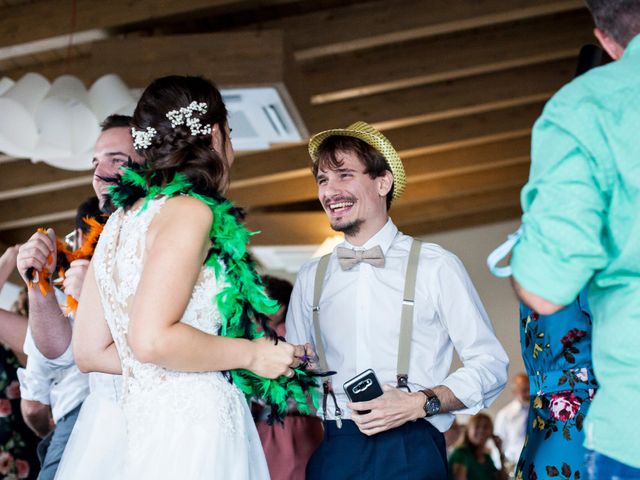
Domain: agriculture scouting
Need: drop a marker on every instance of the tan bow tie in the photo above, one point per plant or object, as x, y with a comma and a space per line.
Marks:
349, 258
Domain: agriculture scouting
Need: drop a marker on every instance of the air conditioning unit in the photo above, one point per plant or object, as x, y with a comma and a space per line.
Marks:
259, 117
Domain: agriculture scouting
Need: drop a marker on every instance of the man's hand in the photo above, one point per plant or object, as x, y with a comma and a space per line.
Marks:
38, 252
74, 277
393, 409
37, 416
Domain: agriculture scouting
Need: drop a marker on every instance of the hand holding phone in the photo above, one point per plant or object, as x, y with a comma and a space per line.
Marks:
363, 387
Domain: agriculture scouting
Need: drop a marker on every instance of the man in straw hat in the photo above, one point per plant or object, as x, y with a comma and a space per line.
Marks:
385, 302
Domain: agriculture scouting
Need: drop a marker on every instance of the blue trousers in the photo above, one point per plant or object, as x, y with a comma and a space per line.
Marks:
414, 451
601, 467
51, 448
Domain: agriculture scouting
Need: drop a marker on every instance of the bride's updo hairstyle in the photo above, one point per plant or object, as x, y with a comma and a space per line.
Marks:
171, 149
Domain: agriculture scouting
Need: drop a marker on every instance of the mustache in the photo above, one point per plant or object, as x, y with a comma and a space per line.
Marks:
338, 198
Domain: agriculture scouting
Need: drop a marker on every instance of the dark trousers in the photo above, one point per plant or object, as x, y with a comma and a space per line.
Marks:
51, 448
414, 451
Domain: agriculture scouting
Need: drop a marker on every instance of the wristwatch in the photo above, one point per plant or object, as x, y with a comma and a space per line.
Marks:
432, 403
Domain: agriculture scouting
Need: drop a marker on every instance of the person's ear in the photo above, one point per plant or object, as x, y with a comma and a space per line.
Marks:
385, 183
217, 139
613, 48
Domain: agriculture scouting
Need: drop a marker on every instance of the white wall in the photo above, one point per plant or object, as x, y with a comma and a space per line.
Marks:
472, 245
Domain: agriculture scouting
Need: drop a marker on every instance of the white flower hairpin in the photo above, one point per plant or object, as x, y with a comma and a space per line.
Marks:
184, 116
142, 138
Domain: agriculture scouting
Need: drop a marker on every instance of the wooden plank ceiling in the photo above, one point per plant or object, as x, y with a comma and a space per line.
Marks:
455, 84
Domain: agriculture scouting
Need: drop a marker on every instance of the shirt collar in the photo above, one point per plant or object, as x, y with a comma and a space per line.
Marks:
383, 237
633, 47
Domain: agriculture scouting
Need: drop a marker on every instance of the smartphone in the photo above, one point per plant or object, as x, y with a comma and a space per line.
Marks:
364, 386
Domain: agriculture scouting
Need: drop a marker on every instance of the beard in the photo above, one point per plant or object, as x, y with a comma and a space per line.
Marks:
349, 229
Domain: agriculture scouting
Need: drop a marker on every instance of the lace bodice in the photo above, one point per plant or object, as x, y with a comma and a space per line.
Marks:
118, 263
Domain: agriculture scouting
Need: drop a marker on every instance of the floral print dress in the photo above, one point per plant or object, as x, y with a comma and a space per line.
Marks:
17, 443
557, 354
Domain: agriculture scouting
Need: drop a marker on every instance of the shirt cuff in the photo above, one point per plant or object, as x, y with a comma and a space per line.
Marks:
471, 397
33, 388
63, 361
538, 271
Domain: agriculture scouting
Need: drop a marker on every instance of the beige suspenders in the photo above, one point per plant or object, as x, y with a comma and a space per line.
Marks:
406, 324
406, 320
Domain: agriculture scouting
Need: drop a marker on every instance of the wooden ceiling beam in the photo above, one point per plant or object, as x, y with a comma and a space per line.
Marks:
448, 184
231, 59
431, 139
302, 228
452, 207
438, 59
308, 228
22, 234
449, 99
42, 19
392, 109
369, 25
259, 168
22, 178
509, 212
34, 209
41, 209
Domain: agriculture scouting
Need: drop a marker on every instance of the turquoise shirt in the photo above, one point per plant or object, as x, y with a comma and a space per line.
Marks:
581, 225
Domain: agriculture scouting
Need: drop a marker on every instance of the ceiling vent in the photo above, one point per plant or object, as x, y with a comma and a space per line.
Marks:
260, 117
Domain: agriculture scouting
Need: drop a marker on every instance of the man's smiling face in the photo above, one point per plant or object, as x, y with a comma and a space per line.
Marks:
112, 150
350, 197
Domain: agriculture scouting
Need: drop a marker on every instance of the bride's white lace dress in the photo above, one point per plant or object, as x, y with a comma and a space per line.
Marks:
178, 425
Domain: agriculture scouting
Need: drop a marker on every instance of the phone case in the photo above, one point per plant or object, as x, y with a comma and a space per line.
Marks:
364, 386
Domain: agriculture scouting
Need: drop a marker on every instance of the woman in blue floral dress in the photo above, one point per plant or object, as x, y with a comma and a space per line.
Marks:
557, 354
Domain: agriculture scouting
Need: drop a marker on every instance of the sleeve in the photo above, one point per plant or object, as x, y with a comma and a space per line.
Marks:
65, 360
299, 323
564, 204
36, 378
484, 372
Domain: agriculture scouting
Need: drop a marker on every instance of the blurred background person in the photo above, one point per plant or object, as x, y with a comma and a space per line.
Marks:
471, 459
511, 420
18, 444
13, 324
289, 446
51, 375
453, 436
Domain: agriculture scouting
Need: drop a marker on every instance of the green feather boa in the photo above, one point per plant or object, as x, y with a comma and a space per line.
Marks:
243, 300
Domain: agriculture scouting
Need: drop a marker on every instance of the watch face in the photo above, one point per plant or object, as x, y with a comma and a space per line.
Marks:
433, 406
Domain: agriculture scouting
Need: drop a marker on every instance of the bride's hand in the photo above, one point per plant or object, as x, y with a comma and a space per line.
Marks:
270, 360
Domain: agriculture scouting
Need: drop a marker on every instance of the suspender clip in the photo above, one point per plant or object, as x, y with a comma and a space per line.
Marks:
402, 380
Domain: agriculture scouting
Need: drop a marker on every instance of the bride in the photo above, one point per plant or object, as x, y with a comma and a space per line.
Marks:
168, 279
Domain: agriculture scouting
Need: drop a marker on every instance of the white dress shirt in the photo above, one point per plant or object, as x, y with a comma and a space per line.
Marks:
58, 382
360, 323
511, 427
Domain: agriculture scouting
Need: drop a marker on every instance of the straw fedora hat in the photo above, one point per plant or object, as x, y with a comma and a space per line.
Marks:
374, 138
